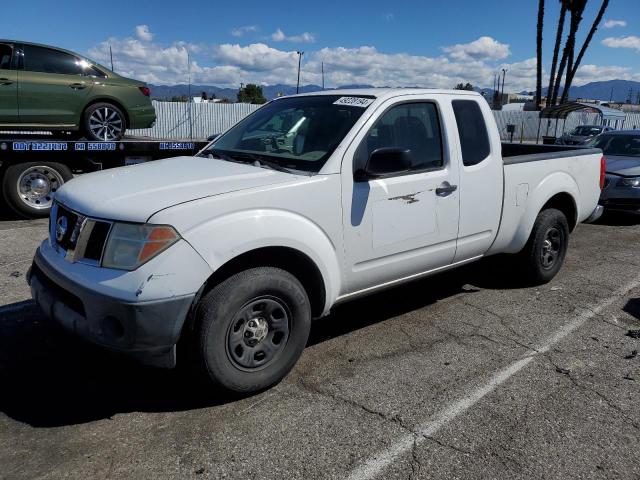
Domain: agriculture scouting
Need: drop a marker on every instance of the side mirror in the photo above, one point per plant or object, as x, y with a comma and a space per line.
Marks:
384, 162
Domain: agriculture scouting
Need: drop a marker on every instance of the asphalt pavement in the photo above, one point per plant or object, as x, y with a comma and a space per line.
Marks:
464, 375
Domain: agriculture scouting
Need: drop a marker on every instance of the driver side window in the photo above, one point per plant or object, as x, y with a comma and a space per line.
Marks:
410, 126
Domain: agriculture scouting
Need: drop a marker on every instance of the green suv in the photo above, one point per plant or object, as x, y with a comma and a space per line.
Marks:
46, 88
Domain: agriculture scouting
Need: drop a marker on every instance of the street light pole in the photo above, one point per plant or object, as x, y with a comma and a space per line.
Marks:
504, 74
299, 62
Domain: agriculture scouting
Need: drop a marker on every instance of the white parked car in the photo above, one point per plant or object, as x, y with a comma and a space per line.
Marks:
310, 201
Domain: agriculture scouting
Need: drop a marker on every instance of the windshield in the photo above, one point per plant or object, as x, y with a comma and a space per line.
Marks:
622, 145
584, 131
297, 133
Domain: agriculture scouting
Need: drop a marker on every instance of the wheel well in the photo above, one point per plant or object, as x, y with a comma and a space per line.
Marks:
105, 100
564, 202
293, 261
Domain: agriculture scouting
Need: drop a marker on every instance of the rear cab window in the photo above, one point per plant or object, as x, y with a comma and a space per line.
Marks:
474, 138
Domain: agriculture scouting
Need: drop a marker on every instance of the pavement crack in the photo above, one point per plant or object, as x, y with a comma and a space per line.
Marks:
395, 419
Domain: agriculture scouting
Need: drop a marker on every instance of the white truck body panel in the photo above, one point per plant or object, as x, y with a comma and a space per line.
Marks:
361, 235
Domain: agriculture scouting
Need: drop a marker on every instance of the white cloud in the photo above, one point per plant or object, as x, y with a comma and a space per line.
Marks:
230, 64
610, 23
389, 17
305, 37
630, 41
143, 33
240, 31
484, 48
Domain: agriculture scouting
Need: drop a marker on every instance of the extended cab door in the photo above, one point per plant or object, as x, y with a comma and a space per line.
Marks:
8, 85
406, 223
52, 87
481, 176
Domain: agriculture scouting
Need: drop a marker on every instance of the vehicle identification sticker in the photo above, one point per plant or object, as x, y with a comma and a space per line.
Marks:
354, 101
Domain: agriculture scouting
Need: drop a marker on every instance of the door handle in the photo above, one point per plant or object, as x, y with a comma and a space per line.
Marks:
445, 189
77, 86
5, 81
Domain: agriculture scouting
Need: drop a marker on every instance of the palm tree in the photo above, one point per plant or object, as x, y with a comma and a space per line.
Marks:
576, 8
571, 72
556, 49
539, 53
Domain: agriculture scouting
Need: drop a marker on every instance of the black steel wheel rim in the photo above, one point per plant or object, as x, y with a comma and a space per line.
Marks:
258, 333
551, 247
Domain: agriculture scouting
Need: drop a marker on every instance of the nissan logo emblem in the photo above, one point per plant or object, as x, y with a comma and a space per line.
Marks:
61, 228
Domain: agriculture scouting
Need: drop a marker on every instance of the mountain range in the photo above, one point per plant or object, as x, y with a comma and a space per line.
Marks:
616, 90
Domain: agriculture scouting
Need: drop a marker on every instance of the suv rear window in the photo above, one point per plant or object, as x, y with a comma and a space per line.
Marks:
47, 60
474, 139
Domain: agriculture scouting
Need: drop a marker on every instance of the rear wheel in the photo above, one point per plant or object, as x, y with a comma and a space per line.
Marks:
251, 329
544, 253
104, 122
28, 188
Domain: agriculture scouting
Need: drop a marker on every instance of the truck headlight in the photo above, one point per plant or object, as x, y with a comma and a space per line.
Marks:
131, 244
630, 182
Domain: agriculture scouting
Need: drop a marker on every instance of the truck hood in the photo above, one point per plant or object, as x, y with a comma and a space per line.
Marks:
136, 192
627, 166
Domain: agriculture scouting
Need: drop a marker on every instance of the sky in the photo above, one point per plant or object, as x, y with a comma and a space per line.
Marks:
424, 43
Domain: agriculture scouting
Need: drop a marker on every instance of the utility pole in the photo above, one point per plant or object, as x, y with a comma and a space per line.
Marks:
300, 53
111, 55
504, 75
322, 75
189, 99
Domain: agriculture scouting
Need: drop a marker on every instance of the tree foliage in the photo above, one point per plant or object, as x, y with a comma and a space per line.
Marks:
463, 86
251, 93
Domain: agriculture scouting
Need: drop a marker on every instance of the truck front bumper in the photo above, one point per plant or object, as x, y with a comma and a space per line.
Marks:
146, 330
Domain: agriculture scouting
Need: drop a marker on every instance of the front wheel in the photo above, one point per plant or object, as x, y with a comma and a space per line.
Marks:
251, 329
28, 188
544, 253
104, 122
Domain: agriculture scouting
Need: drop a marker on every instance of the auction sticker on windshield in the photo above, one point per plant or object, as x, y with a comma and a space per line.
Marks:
354, 101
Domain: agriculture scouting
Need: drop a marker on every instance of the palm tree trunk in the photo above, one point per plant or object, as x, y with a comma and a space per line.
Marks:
539, 53
576, 8
571, 74
556, 51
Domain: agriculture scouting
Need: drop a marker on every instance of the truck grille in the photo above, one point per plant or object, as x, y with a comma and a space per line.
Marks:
81, 239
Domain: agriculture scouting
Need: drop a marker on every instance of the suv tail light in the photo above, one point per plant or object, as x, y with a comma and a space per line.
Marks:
146, 91
603, 167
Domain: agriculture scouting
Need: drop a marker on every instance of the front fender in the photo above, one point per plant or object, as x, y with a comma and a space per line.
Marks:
222, 239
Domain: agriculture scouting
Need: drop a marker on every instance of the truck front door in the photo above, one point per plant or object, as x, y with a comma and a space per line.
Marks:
8, 86
404, 224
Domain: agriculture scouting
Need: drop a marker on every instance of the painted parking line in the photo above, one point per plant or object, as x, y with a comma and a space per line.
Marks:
377, 463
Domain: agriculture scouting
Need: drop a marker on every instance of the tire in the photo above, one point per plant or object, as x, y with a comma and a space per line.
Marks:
28, 188
104, 122
545, 251
241, 357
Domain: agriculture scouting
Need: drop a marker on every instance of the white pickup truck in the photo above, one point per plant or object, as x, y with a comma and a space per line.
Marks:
310, 201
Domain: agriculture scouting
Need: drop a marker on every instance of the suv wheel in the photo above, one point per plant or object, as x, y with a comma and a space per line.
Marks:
104, 122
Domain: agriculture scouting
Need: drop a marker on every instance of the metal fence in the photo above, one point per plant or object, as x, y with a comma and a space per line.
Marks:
179, 120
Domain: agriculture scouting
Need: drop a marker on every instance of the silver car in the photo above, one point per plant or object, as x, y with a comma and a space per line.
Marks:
622, 181
581, 134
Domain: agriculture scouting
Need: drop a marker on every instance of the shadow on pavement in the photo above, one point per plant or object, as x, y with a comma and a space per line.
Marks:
632, 307
49, 378
619, 219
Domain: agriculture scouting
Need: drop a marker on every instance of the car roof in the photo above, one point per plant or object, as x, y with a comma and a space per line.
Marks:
624, 132
379, 92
